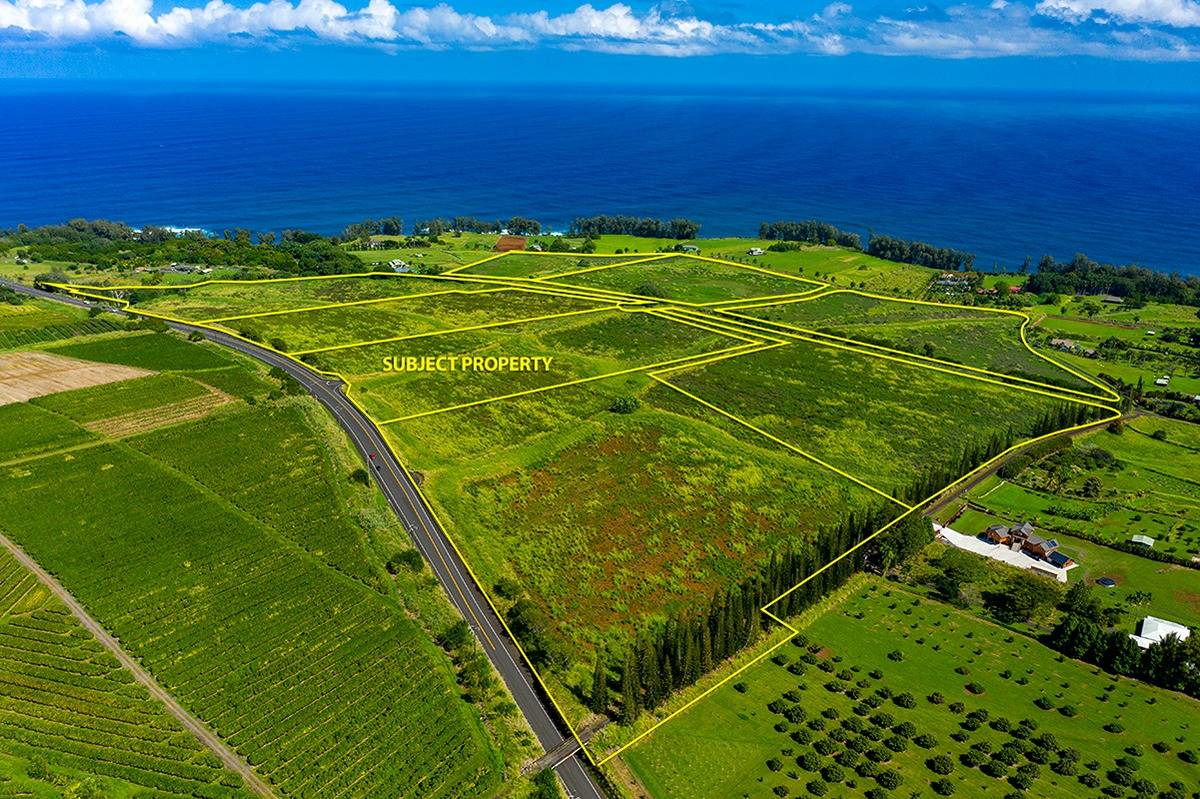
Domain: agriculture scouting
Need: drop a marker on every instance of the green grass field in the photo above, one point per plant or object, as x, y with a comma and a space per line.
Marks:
687, 280
1144, 487
161, 352
851, 708
72, 720
878, 420
236, 298
974, 337
407, 317
519, 264
28, 431
581, 346
35, 321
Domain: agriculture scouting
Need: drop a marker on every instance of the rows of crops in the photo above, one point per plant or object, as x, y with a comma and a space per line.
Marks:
687, 280
157, 351
12, 339
65, 699
90, 404
322, 684
289, 489
26, 430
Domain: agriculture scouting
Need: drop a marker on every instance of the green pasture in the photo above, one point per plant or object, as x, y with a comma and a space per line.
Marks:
581, 346
1151, 488
26, 431
526, 265
688, 280
405, 317
848, 689
884, 422
238, 298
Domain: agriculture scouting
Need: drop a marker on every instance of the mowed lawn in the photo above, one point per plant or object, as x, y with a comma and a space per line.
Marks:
881, 421
871, 665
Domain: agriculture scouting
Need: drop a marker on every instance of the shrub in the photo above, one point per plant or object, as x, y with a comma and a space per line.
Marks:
972, 758
1114, 727
816, 788
741, 687
1044, 703
925, 741
775, 764
1069, 710
1089, 780
825, 746
629, 404
974, 688
896, 743
1020, 781
833, 773
940, 764
809, 761
942, 787
360, 476
889, 779
896, 655
905, 729
408, 559
957, 708
936, 698
905, 700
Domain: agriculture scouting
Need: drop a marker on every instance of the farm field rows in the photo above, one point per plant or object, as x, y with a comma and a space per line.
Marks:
884, 689
218, 554
71, 716
640, 478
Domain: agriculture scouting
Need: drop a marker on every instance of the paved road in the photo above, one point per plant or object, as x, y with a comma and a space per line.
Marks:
431, 540
192, 724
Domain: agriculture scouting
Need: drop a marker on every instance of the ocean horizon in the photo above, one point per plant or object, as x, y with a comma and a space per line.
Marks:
1004, 175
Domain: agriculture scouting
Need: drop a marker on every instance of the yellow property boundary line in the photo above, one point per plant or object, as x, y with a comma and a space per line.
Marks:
661, 369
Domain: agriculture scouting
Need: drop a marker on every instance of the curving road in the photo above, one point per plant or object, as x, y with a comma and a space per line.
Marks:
429, 538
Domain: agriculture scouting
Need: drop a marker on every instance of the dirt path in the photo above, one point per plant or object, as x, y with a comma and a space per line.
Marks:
192, 724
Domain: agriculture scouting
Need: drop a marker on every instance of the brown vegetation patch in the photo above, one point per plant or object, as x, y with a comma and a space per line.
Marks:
25, 375
145, 419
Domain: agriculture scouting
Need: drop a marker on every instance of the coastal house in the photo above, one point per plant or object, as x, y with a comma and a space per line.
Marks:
1152, 630
1163, 381
398, 265
1023, 538
692, 248
1143, 540
1064, 344
756, 251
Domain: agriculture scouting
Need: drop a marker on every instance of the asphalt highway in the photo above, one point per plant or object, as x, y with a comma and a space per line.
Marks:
428, 537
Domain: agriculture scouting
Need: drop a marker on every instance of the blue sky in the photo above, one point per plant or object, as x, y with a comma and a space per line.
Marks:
1066, 44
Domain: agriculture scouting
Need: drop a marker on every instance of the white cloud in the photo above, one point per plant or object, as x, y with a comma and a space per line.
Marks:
1005, 27
1174, 13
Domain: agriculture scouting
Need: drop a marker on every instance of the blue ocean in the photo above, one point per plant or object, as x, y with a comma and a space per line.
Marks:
1002, 175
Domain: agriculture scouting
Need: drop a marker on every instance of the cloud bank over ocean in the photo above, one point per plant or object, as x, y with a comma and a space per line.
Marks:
1142, 30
